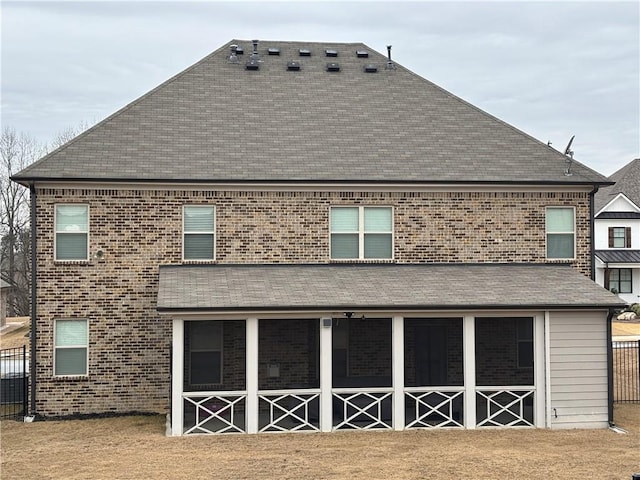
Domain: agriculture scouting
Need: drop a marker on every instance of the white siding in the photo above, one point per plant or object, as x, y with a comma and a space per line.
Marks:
578, 363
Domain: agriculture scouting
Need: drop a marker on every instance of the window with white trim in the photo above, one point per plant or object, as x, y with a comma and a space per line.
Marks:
205, 352
72, 232
71, 341
198, 226
560, 228
359, 233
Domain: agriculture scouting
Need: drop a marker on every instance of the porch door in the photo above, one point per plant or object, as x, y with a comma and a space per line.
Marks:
431, 355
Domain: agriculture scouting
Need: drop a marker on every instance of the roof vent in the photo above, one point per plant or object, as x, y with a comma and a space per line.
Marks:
253, 64
390, 64
233, 58
329, 52
370, 68
239, 50
333, 67
305, 52
362, 54
293, 66
254, 55
273, 51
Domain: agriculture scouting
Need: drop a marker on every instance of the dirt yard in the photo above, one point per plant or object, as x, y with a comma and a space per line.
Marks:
136, 448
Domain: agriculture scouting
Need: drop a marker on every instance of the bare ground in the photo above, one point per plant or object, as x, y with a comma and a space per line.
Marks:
136, 448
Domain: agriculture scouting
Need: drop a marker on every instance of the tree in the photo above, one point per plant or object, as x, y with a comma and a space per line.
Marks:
68, 134
17, 151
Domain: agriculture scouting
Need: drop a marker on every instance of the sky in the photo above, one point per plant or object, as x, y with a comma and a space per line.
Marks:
552, 69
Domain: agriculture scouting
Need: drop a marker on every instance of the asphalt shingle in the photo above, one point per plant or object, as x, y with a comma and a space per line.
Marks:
217, 121
346, 287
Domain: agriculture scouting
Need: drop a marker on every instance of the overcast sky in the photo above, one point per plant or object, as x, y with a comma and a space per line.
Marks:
551, 69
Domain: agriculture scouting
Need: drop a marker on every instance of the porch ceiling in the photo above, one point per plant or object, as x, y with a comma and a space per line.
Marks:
225, 288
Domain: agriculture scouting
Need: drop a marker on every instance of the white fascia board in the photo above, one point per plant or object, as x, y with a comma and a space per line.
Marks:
634, 207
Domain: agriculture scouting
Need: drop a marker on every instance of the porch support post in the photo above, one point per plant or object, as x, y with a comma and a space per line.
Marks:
539, 370
326, 406
469, 355
547, 368
177, 374
398, 372
252, 376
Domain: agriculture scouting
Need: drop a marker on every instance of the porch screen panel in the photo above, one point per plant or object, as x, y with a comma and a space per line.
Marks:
214, 355
504, 351
288, 354
433, 352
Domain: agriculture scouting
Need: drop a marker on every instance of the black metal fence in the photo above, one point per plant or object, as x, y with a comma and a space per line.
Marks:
626, 372
14, 382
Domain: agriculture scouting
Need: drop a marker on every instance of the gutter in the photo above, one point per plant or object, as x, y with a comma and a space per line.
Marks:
610, 368
592, 232
34, 282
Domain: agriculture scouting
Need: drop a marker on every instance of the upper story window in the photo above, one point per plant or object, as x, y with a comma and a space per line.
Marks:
198, 232
619, 237
359, 233
72, 232
561, 238
71, 339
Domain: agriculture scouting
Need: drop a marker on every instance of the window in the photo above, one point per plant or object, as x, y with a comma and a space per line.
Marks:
560, 233
525, 342
205, 342
361, 233
619, 237
72, 232
199, 233
618, 280
71, 338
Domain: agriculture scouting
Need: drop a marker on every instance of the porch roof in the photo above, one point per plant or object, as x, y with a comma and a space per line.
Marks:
619, 256
244, 288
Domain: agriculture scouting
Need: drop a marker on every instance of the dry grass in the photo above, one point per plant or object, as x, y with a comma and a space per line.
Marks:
136, 448
625, 328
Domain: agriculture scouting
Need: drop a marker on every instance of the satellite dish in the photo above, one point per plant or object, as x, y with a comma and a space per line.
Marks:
567, 151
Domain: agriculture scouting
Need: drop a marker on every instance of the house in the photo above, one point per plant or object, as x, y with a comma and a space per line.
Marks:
617, 233
310, 237
4, 298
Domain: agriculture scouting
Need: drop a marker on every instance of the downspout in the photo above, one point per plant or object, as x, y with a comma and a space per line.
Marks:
34, 278
610, 367
592, 231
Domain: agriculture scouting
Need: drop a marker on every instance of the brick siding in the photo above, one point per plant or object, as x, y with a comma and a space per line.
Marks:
138, 230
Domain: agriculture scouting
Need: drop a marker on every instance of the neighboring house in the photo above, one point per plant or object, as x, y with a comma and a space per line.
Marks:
4, 297
617, 233
311, 237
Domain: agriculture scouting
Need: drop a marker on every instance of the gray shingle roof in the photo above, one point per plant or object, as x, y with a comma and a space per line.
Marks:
619, 256
627, 181
352, 287
217, 121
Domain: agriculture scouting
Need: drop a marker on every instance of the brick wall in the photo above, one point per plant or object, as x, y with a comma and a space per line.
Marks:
138, 230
